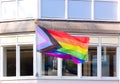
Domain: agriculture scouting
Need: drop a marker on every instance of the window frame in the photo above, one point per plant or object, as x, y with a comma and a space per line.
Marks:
80, 17
42, 16
99, 17
17, 16
79, 66
92, 12
37, 66
17, 45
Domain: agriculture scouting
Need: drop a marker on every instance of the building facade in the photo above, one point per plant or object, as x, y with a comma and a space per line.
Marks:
98, 19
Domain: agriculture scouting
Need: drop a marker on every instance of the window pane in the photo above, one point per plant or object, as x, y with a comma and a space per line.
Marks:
8, 10
53, 8
79, 9
108, 61
105, 10
69, 68
25, 8
89, 68
26, 60
9, 61
49, 66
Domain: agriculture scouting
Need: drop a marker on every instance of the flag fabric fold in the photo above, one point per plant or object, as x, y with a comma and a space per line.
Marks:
62, 45
75, 46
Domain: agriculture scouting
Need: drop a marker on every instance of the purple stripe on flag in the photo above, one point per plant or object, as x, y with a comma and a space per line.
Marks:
64, 56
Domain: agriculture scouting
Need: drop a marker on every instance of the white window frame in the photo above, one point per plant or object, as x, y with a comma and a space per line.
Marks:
35, 13
79, 66
17, 45
92, 11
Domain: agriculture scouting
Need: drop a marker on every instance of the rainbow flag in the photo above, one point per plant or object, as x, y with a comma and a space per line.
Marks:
44, 40
62, 45
58, 54
74, 45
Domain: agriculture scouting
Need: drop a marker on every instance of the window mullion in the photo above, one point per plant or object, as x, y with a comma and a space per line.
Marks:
99, 62
118, 60
34, 60
16, 9
118, 11
39, 64
0, 9
92, 10
66, 9
39, 8
59, 71
1, 62
79, 70
17, 60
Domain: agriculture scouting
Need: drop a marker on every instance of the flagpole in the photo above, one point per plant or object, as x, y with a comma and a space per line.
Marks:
37, 58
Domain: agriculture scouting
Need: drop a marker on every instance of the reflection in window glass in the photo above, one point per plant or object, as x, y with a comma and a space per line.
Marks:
49, 66
69, 68
26, 60
89, 68
9, 61
108, 61
105, 10
9, 10
53, 8
79, 9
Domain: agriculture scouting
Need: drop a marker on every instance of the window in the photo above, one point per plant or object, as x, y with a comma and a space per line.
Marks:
26, 60
17, 55
53, 8
12, 9
18, 59
101, 61
9, 68
69, 68
49, 66
25, 8
108, 61
105, 10
79, 9
8, 9
89, 68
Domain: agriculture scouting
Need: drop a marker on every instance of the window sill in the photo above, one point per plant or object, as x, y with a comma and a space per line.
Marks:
59, 78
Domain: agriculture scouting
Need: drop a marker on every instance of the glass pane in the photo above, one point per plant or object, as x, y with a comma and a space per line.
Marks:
79, 9
9, 67
26, 60
9, 10
49, 66
25, 8
89, 68
108, 61
53, 8
105, 10
69, 68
